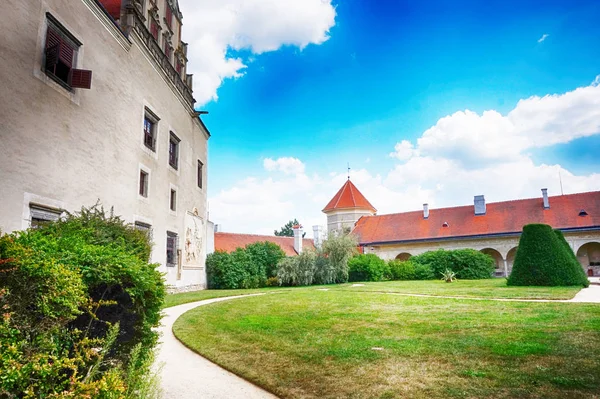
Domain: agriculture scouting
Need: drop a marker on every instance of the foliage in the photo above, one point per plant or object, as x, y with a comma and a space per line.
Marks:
409, 270
338, 250
272, 282
247, 267
448, 276
266, 255
367, 267
544, 258
287, 230
468, 264
325, 272
297, 270
77, 296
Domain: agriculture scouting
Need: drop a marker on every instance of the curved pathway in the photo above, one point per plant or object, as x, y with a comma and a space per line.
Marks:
187, 375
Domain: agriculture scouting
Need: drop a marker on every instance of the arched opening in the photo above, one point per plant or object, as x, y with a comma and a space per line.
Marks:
510, 259
498, 260
403, 256
589, 257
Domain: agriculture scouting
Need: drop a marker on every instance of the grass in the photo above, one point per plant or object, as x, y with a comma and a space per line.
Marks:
492, 288
340, 343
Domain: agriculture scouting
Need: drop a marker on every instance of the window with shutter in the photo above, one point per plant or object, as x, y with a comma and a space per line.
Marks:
168, 14
41, 216
60, 56
174, 151
154, 29
150, 129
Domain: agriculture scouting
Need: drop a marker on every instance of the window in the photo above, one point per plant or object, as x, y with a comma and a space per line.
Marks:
173, 200
172, 243
150, 122
168, 14
174, 151
41, 215
200, 166
60, 56
143, 183
167, 47
154, 28
143, 227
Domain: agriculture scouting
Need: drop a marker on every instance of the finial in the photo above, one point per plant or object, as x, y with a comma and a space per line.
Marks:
348, 170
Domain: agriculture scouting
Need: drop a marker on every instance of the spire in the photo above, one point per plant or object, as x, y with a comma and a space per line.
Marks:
348, 197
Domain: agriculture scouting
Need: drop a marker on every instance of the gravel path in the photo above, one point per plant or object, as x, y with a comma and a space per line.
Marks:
187, 375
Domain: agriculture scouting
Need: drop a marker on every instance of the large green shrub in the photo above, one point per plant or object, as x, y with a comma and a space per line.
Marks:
247, 267
64, 288
468, 264
545, 259
297, 270
266, 255
338, 250
409, 270
367, 267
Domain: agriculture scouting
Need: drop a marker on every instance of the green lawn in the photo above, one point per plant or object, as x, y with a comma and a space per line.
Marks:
492, 288
340, 343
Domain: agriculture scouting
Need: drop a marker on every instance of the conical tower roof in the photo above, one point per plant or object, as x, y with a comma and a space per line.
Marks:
349, 198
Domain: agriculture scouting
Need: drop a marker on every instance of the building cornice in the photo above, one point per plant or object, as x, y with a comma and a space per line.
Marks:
472, 237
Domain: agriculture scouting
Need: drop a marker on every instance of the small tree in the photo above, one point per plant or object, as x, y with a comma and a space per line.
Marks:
367, 267
287, 230
338, 250
545, 259
297, 270
266, 255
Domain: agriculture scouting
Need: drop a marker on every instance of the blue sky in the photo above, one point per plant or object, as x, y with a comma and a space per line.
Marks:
389, 71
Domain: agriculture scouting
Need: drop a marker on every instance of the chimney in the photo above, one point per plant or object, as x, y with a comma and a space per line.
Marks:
317, 234
425, 211
479, 205
217, 228
297, 238
545, 196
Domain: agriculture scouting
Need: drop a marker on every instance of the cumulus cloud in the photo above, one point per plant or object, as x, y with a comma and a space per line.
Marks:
544, 37
462, 155
286, 165
213, 28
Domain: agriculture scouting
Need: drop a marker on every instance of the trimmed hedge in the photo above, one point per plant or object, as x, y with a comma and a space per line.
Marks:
409, 270
367, 267
468, 264
544, 258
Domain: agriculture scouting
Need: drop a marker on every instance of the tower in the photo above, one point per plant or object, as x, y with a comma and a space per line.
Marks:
346, 207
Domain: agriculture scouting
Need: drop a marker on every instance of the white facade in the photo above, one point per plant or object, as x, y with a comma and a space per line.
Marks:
61, 148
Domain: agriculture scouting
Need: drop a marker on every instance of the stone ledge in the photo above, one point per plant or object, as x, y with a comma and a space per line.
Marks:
171, 289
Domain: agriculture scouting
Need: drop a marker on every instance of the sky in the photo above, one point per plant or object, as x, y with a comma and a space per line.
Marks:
428, 102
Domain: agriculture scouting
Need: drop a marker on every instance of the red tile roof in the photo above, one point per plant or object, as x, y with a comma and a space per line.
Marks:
349, 197
500, 218
229, 242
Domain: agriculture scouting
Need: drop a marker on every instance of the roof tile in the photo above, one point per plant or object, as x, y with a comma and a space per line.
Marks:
229, 242
349, 197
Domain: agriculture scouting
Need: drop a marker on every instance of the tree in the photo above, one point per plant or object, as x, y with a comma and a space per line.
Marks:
545, 259
287, 230
338, 250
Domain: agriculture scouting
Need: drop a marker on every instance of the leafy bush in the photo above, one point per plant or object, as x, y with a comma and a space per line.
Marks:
266, 255
247, 267
297, 270
544, 258
468, 264
68, 287
325, 272
338, 250
272, 282
367, 267
408, 270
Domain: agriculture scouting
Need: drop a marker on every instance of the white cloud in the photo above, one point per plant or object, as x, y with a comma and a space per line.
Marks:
212, 28
287, 165
544, 37
403, 150
462, 155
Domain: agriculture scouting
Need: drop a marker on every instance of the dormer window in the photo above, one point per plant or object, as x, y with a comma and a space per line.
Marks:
445, 224
60, 56
168, 14
154, 28
168, 49
583, 213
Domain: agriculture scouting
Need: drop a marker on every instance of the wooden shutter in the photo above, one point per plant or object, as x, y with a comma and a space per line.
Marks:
52, 47
81, 78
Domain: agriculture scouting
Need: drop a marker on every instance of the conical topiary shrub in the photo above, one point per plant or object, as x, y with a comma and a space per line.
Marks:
544, 260
572, 255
